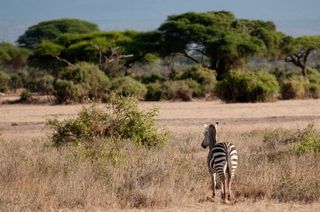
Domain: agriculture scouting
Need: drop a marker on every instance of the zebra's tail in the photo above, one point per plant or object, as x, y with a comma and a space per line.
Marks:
229, 165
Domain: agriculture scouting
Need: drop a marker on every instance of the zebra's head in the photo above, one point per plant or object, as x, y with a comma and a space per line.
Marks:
210, 135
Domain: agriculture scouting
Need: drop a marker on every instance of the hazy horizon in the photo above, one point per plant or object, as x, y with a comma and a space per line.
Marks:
296, 18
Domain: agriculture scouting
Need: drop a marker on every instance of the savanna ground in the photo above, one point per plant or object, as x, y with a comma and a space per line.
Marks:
37, 176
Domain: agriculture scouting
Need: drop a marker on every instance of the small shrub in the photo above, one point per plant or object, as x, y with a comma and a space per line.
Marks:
4, 81
156, 91
127, 86
26, 96
120, 120
293, 88
313, 90
179, 90
43, 85
20, 79
246, 86
281, 136
81, 82
309, 144
197, 89
66, 91
205, 78
313, 87
313, 76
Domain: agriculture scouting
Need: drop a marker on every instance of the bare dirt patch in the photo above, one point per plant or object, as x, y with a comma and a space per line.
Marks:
26, 120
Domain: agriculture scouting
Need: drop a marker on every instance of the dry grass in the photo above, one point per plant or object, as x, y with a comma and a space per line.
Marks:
36, 176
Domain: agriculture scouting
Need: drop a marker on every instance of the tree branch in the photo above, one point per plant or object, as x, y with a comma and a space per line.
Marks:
64, 60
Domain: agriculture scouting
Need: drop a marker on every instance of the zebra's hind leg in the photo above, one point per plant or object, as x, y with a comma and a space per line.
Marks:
223, 188
213, 184
230, 178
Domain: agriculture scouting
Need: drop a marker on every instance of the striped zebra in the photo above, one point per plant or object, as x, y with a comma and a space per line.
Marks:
222, 160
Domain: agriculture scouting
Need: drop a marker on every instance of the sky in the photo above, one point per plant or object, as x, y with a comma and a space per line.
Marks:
293, 17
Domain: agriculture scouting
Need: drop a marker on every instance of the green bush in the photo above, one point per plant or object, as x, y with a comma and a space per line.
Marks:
156, 91
26, 96
179, 90
313, 87
43, 84
293, 88
197, 89
313, 76
66, 91
121, 119
127, 86
4, 81
205, 78
81, 82
246, 86
152, 78
309, 144
313, 90
173, 90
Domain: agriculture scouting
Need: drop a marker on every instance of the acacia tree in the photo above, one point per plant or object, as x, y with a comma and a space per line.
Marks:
219, 36
298, 51
114, 52
49, 30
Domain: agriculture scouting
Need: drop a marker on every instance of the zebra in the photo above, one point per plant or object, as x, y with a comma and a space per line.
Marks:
222, 160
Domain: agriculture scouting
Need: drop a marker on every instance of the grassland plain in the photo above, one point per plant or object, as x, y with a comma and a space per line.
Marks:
36, 176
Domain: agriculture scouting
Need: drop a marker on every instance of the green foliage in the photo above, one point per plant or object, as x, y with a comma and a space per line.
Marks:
127, 86
114, 51
205, 80
309, 144
25, 96
304, 43
151, 78
302, 141
4, 81
275, 138
298, 50
179, 90
49, 30
81, 82
313, 86
43, 84
219, 36
245, 86
50, 48
313, 90
293, 88
156, 91
121, 119
19, 79
12, 56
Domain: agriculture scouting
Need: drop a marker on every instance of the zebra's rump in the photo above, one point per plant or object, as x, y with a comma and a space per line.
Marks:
222, 158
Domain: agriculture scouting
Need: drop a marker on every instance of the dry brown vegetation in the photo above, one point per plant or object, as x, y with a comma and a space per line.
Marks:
37, 176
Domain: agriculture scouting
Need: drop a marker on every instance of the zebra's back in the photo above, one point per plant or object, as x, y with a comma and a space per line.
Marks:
223, 159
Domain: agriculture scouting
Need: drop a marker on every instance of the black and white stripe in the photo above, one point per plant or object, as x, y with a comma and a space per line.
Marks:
222, 160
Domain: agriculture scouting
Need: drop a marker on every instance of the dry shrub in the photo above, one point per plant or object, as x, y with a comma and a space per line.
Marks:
293, 88
121, 119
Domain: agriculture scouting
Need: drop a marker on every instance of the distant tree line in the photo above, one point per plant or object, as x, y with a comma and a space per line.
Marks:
59, 56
